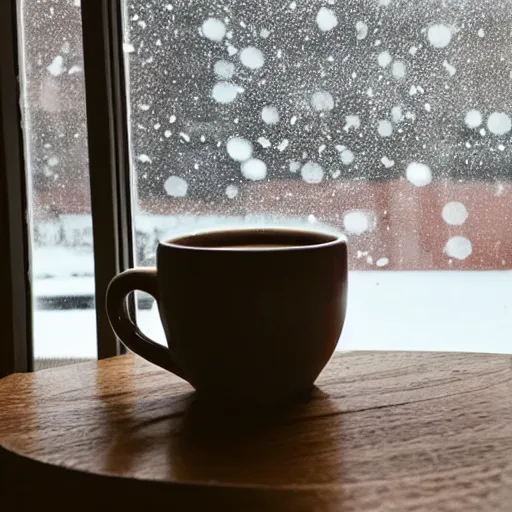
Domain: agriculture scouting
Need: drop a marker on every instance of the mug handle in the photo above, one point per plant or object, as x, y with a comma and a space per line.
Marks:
144, 279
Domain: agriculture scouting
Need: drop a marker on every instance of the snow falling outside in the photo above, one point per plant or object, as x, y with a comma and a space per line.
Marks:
388, 121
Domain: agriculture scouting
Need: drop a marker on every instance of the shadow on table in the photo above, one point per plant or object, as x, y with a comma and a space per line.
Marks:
185, 439
293, 445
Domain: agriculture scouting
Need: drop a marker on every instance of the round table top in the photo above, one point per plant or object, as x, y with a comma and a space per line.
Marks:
405, 431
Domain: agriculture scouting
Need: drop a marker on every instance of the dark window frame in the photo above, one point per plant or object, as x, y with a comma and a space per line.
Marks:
109, 156
16, 351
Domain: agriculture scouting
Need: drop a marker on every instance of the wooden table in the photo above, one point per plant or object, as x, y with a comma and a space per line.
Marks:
383, 431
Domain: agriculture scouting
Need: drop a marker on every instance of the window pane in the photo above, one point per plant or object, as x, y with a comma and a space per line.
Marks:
388, 120
53, 103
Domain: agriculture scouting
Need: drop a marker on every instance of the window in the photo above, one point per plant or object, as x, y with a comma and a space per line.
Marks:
53, 109
388, 120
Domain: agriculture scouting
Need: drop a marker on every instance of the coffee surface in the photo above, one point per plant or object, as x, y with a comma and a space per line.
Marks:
244, 239
257, 246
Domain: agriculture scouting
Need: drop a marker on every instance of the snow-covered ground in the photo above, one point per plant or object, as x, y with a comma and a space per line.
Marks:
387, 310
446, 311
64, 287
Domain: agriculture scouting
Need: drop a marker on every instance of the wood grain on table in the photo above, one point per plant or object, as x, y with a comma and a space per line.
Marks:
397, 431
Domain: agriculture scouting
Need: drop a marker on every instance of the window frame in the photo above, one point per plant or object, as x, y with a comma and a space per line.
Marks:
109, 156
16, 349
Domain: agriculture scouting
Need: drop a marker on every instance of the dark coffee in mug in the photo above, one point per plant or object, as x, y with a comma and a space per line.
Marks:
250, 315
253, 239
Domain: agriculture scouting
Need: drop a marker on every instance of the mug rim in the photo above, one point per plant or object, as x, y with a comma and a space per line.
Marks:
331, 239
